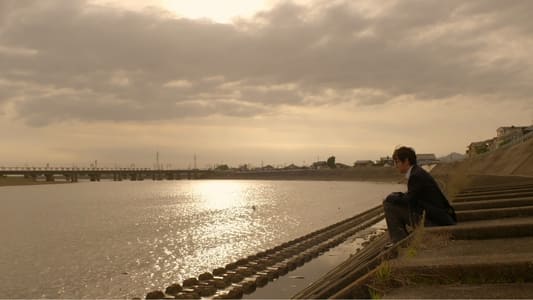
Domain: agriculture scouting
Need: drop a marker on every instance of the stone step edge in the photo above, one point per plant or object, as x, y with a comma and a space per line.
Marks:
494, 213
474, 273
480, 231
486, 204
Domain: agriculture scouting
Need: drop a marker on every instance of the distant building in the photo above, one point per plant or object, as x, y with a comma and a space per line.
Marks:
291, 167
509, 130
363, 163
426, 159
342, 166
510, 135
320, 165
385, 161
477, 148
505, 136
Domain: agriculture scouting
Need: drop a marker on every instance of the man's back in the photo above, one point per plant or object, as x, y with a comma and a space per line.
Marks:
424, 195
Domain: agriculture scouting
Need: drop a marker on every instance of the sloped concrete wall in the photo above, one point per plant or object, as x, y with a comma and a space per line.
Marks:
516, 160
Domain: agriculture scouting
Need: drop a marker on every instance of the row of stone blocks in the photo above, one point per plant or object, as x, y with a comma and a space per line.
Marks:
245, 275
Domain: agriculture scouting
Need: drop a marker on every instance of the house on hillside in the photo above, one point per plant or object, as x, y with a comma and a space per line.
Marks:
505, 135
509, 130
477, 148
510, 135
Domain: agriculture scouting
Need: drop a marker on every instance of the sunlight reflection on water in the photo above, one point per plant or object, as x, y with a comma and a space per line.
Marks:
121, 239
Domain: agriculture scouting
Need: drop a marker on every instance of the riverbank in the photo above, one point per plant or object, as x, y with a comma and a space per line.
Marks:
376, 174
487, 255
15, 181
365, 174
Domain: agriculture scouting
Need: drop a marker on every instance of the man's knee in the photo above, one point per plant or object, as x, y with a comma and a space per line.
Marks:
393, 198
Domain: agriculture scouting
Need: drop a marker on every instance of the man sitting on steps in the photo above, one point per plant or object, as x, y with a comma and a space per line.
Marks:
423, 197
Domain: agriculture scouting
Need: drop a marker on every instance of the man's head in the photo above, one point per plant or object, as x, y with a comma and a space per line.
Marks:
404, 158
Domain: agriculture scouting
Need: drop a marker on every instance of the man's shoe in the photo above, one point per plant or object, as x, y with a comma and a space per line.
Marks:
388, 245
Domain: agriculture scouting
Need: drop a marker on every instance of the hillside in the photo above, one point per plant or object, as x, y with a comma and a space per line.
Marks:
516, 160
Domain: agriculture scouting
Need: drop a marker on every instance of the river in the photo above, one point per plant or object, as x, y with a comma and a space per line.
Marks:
122, 239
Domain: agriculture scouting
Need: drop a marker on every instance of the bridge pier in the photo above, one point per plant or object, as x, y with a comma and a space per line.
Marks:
94, 177
49, 177
192, 175
94, 174
157, 176
71, 177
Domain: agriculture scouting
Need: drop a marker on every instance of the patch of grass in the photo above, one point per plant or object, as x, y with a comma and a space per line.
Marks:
382, 281
374, 294
384, 272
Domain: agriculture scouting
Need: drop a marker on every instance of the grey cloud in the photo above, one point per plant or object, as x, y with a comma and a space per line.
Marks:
116, 63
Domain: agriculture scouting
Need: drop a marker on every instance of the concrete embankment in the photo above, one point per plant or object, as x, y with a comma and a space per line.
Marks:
513, 163
489, 254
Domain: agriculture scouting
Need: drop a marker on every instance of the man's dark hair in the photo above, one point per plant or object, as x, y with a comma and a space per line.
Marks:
404, 153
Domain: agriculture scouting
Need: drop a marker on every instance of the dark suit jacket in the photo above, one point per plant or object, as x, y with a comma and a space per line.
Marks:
423, 194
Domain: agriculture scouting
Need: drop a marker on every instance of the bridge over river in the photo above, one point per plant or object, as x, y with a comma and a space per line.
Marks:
96, 174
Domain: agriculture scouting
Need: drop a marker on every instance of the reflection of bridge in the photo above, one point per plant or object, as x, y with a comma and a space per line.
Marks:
95, 174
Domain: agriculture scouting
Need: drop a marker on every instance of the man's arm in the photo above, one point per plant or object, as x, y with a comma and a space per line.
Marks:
415, 187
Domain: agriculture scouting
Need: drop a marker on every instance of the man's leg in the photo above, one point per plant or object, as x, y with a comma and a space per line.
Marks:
397, 216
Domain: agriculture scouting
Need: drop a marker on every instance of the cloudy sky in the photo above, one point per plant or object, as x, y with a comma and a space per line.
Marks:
249, 81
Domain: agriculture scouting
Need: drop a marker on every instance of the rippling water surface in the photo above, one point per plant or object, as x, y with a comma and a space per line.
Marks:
122, 239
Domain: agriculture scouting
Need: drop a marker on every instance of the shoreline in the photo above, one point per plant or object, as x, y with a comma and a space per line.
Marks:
375, 174
24, 181
362, 174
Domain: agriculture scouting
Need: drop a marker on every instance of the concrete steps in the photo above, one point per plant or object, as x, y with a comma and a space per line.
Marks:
465, 291
494, 203
495, 188
493, 213
489, 253
498, 191
508, 195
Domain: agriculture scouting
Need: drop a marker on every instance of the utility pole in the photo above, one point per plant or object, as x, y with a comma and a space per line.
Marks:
157, 160
195, 161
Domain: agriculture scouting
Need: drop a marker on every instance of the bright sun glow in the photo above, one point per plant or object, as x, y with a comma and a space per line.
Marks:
218, 11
